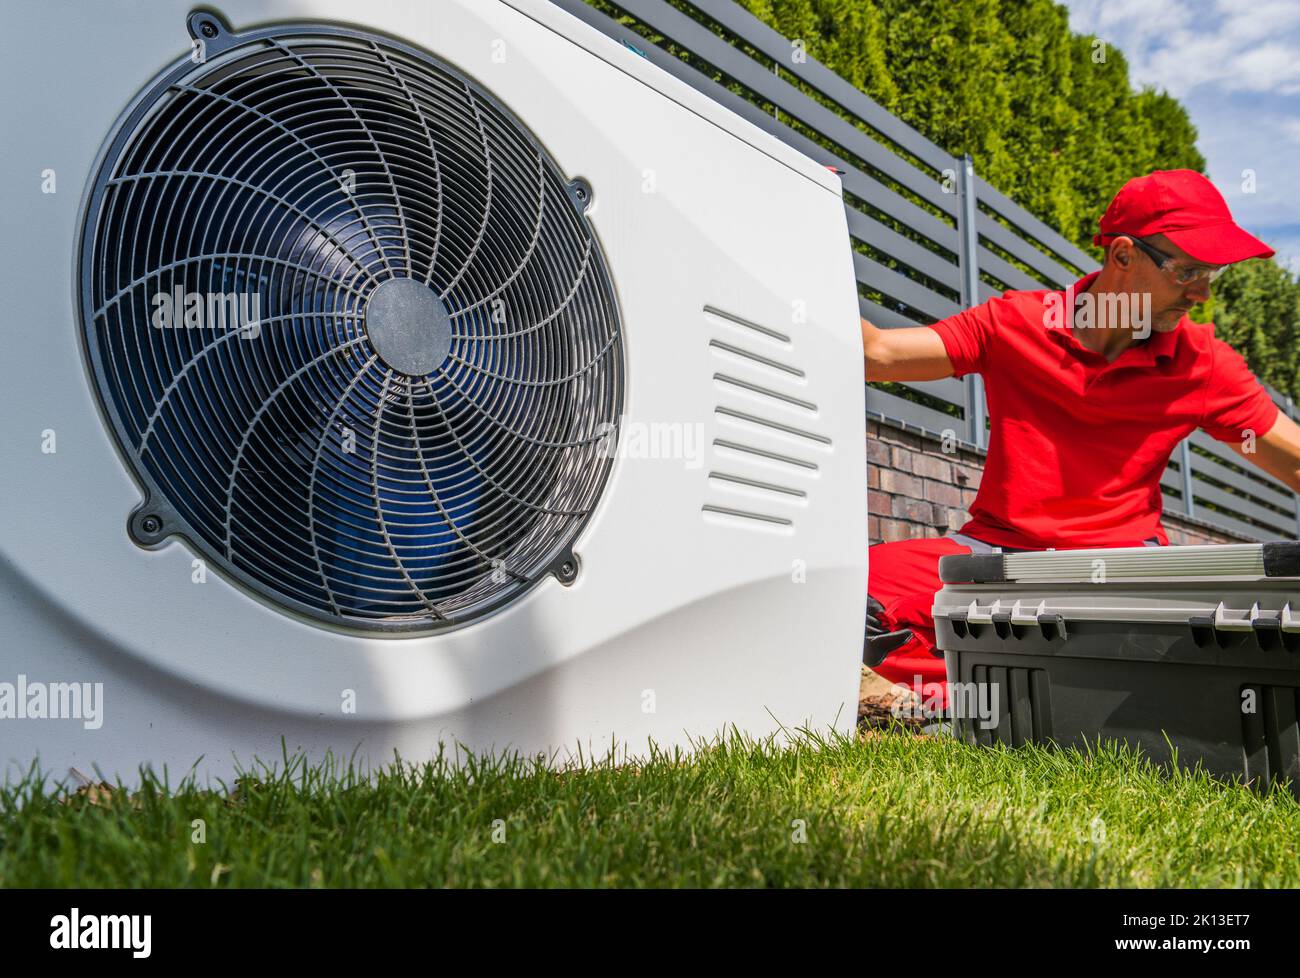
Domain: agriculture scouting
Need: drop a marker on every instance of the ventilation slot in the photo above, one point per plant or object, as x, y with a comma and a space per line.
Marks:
774, 425
756, 358
747, 515
712, 314
723, 381
764, 454
740, 480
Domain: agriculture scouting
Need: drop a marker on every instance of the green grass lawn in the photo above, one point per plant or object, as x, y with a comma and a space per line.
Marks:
886, 810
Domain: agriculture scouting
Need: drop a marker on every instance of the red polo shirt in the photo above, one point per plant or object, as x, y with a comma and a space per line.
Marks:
1077, 445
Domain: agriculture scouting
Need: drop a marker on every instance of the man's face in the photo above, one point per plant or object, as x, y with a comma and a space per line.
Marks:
1169, 301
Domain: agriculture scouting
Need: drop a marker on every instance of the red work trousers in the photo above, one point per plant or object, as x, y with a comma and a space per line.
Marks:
904, 577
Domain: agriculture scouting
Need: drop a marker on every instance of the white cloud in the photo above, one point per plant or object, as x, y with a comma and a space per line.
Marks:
1179, 46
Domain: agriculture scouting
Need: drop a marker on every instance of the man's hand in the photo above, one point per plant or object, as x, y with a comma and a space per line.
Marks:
907, 353
1278, 451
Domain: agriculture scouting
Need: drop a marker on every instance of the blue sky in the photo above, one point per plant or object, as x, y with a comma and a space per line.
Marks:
1235, 65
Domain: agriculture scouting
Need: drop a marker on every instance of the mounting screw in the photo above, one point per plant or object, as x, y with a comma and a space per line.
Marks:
201, 23
581, 191
147, 529
567, 571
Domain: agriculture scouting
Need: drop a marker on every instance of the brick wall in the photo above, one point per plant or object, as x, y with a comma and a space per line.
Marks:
915, 489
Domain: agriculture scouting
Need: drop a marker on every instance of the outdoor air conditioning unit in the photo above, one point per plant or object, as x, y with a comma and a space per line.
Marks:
394, 373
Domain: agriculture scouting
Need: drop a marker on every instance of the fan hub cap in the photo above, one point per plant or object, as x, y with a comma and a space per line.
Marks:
408, 326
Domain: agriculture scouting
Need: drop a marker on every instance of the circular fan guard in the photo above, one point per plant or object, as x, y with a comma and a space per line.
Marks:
408, 463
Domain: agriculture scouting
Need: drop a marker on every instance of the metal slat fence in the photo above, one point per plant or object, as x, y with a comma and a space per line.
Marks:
930, 237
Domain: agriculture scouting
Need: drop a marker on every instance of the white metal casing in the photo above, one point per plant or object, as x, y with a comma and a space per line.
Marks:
683, 621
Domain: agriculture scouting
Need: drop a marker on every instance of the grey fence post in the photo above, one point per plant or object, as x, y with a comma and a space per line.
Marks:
1185, 463
970, 292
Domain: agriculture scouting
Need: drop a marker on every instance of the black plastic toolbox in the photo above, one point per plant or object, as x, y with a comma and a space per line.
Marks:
1191, 648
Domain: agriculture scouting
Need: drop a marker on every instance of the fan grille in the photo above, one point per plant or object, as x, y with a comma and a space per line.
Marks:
409, 462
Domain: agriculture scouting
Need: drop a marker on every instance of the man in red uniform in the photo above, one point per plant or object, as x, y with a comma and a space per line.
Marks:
1089, 390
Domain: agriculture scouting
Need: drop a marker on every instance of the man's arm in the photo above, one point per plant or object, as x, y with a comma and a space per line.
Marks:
907, 353
1277, 452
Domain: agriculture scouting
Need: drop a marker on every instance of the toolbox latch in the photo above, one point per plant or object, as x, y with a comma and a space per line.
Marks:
1052, 626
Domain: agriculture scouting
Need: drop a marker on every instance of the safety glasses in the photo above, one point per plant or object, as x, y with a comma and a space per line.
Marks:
1179, 271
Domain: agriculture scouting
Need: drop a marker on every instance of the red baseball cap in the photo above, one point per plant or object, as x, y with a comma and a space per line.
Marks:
1188, 210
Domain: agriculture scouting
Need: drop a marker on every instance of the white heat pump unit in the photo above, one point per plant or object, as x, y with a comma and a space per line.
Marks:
390, 374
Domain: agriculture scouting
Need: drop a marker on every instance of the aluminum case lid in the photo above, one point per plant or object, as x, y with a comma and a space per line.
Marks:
1236, 560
